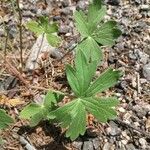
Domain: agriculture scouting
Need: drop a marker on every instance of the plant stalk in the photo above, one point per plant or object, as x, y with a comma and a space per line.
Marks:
20, 33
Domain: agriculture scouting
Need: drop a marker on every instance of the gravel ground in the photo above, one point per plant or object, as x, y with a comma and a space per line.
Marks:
131, 55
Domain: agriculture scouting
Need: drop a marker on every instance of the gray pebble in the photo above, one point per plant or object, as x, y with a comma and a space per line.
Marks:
77, 144
88, 145
81, 5
146, 71
107, 146
113, 130
145, 7
96, 143
66, 11
130, 147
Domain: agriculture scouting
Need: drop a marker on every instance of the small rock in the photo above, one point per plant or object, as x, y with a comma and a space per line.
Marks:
145, 7
141, 111
28, 14
77, 144
88, 145
148, 123
81, 5
124, 142
130, 147
64, 29
65, 11
108, 146
113, 130
12, 31
146, 71
143, 142
121, 109
138, 1
96, 143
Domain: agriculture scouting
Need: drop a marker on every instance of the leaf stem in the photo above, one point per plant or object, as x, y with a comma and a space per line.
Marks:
72, 49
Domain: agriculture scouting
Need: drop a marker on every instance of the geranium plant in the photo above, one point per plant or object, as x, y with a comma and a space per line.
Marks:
72, 115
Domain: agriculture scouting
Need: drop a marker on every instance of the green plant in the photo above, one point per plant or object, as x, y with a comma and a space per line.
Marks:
5, 121
94, 31
38, 112
42, 26
72, 115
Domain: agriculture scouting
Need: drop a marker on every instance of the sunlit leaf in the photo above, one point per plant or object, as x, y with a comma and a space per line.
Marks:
106, 80
5, 120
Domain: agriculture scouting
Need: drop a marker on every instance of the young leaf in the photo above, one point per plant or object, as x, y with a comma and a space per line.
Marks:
34, 27
72, 79
91, 49
41, 115
30, 110
73, 114
81, 71
105, 81
95, 15
84, 72
52, 28
73, 117
52, 99
81, 23
53, 40
101, 108
107, 33
5, 120
35, 112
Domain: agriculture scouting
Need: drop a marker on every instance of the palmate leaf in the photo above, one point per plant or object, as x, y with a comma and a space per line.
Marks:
33, 112
106, 80
107, 33
73, 115
80, 77
36, 112
5, 120
44, 27
101, 108
52, 28
91, 49
95, 15
73, 80
35, 27
81, 23
53, 39
85, 70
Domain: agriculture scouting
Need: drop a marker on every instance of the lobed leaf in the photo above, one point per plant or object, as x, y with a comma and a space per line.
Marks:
85, 71
35, 112
81, 23
53, 40
73, 80
30, 110
5, 120
34, 27
73, 117
52, 28
52, 99
95, 15
107, 33
105, 81
101, 108
91, 49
